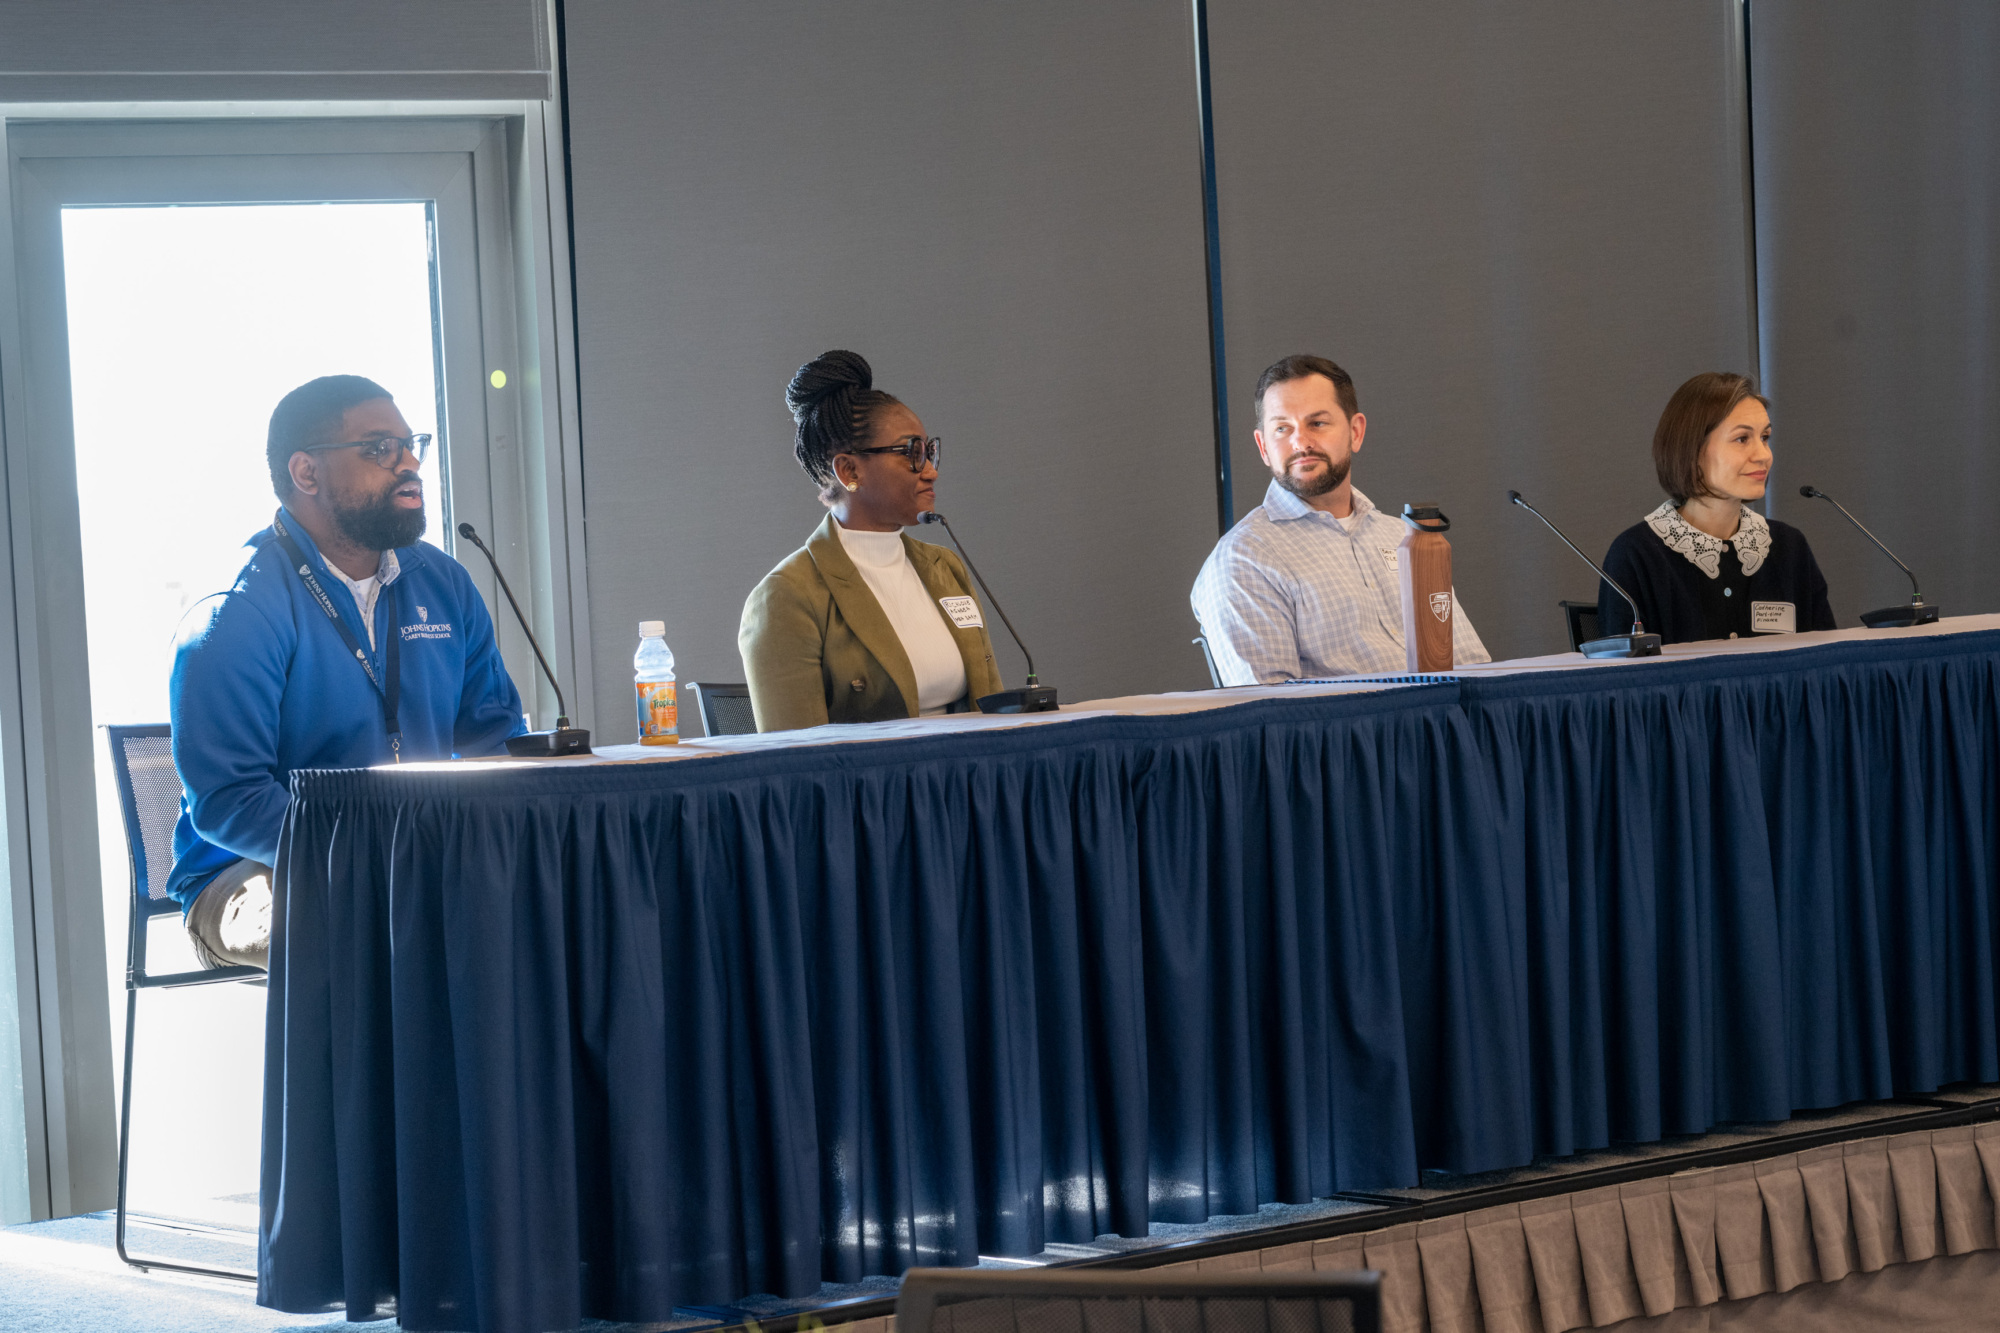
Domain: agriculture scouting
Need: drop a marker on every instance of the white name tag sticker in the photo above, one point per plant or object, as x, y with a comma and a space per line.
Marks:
1774, 618
964, 612
1389, 554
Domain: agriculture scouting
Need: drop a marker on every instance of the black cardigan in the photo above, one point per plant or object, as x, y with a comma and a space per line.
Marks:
1682, 604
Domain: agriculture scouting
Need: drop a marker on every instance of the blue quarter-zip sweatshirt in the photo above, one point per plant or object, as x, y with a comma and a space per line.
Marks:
263, 684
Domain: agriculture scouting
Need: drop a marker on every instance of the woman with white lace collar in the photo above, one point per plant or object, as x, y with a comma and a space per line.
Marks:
1705, 565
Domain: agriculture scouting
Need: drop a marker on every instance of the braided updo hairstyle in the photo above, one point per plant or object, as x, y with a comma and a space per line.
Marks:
833, 400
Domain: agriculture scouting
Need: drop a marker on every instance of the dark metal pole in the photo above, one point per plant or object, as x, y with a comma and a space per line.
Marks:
1225, 500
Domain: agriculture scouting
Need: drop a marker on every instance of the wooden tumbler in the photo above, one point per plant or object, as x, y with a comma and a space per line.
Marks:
1423, 562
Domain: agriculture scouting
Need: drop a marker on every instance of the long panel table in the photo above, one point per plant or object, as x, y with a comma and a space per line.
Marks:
593, 1039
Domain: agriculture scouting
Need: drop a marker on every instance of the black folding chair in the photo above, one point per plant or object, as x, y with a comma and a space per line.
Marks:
1067, 1300
149, 798
1214, 676
725, 709
1580, 618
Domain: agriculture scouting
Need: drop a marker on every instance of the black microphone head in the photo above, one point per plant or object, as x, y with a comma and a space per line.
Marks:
930, 516
1809, 492
465, 531
1513, 497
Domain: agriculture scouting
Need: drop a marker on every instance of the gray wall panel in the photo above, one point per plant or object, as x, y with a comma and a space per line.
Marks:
998, 205
1518, 227
1878, 211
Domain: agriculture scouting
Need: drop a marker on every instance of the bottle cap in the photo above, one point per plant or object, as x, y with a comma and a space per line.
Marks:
652, 629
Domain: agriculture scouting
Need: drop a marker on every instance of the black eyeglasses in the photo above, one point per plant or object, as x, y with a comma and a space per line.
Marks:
383, 453
919, 452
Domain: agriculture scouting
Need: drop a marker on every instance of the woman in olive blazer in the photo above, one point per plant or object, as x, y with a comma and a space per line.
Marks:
818, 644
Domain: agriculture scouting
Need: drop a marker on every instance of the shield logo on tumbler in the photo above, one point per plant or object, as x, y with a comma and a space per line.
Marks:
1441, 605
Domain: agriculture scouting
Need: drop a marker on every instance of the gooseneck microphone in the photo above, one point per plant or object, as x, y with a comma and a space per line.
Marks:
565, 739
1036, 697
1918, 612
1636, 644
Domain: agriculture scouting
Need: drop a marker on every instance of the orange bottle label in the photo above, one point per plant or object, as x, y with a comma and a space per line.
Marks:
659, 716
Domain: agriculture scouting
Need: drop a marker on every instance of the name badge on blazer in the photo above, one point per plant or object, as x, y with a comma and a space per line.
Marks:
1774, 618
964, 612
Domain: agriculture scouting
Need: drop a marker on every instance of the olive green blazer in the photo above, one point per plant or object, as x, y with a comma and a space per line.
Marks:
817, 647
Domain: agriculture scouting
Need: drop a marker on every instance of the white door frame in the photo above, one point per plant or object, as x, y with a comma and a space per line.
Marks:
512, 467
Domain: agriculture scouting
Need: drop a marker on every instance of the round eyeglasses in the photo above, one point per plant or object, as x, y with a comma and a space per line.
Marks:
385, 452
919, 452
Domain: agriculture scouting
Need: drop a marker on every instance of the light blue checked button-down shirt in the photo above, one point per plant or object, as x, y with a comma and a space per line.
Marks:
1290, 593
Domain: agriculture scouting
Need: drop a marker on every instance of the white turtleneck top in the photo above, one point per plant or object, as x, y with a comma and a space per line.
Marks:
916, 617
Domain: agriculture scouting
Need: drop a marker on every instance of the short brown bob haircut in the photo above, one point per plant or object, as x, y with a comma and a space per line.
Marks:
1297, 368
1692, 414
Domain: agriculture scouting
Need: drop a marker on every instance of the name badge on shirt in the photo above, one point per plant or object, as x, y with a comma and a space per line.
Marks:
1389, 554
964, 612
1773, 618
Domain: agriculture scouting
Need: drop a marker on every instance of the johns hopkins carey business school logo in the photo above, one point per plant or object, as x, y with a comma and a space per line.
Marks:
1441, 605
424, 629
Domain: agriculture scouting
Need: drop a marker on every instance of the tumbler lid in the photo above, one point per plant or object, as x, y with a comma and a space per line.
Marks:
1426, 518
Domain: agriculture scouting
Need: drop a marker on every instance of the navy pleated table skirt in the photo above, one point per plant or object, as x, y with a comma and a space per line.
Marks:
554, 1043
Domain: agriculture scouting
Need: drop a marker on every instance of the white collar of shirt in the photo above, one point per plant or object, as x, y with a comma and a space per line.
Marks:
880, 549
1281, 506
1752, 539
367, 590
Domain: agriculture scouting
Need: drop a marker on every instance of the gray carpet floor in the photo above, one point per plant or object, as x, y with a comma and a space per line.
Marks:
64, 1277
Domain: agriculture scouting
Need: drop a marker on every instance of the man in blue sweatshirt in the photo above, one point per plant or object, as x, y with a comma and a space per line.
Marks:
342, 644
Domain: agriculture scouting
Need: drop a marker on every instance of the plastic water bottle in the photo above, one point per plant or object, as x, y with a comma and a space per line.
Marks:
653, 680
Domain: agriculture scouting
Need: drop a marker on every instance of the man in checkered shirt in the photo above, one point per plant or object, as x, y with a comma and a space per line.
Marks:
1306, 585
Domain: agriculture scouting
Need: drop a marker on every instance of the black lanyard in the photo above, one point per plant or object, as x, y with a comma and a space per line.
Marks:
389, 691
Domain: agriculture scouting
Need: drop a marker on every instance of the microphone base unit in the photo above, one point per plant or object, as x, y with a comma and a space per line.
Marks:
1623, 645
549, 744
1033, 699
1890, 617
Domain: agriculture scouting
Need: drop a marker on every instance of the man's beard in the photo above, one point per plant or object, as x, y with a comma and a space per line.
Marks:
379, 525
1323, 481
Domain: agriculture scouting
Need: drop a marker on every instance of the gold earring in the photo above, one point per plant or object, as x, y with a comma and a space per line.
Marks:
851, 486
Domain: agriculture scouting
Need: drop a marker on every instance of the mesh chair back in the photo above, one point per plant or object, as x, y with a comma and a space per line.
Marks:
149, 798
725, 708
1580, 619
936, 1300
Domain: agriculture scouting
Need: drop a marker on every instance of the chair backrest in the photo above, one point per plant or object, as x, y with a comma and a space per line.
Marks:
1580, 618
149, 799
1090, 1300
725, 708
1214, 676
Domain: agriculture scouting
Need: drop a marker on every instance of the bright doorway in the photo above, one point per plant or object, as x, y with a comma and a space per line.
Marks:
186, 325
174, 279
